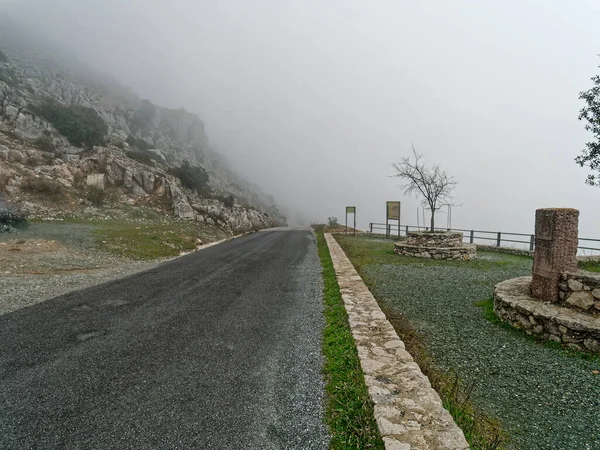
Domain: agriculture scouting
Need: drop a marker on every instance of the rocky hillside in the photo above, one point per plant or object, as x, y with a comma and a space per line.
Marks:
73, 138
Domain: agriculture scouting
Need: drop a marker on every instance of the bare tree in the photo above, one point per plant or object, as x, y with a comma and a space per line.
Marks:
431, 183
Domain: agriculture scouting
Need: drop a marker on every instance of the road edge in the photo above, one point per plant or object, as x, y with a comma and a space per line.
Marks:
408, 411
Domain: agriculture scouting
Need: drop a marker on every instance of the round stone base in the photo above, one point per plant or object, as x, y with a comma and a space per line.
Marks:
464, 252
514, 304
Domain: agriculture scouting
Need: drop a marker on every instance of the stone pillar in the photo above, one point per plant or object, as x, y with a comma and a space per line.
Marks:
556, 238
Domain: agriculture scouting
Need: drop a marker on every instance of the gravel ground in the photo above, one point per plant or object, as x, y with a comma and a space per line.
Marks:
51, 259
545, 398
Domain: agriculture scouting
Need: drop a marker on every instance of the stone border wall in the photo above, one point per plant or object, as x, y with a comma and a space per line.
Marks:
581, 291
514, 304
465, 252
408, 411
441, 239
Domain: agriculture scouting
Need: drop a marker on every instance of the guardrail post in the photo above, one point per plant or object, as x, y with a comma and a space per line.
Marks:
531, 242
498, 239
389, 230
471, 237
406, 234
371, 228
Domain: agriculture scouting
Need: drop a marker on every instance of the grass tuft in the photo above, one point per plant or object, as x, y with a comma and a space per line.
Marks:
350, 412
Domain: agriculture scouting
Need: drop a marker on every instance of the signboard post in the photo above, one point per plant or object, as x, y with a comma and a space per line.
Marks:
351, 210
392, 212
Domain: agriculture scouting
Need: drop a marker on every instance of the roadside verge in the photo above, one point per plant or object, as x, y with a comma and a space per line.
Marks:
408, 411
349, 410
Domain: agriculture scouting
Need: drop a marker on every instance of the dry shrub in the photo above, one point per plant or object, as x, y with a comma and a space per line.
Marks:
44, 187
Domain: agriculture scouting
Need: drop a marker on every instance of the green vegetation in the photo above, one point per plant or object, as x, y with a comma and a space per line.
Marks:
45, 143
139, 144
10, 218
227, 200
192, 177
541, 395
96, 195
141, 156
590, 266
590, 113
147, 241
3, 57
44, 187
349, 407
82, 126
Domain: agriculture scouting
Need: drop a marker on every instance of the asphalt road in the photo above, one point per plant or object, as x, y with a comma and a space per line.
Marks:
218, 349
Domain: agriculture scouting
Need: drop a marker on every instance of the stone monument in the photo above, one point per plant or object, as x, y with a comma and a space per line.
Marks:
556, 238
558, 302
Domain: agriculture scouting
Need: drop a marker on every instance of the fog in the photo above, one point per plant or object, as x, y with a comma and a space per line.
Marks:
314, 100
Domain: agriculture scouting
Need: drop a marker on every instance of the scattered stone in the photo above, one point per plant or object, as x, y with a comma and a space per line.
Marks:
15, 156
574, 285
581, 299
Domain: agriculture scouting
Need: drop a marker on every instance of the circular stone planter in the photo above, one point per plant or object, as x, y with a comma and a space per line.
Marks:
514, 304
436, 245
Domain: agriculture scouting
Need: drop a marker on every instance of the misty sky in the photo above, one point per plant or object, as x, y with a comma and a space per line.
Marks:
315, 99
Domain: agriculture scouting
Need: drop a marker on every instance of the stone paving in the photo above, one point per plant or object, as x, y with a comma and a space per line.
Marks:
408, 411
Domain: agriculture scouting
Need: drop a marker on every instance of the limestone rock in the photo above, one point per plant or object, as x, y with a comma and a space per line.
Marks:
185, 211
16, 156
3, 152
28, 128
137, 189
96, 179
581, 299
596, 293
575, 285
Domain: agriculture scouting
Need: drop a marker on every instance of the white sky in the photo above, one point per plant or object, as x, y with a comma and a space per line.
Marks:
315, 99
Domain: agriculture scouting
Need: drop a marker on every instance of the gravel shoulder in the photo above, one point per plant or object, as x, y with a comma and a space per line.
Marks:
544, 397
49, 259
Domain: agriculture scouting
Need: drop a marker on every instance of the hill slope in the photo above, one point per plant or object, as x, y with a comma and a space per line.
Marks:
78, 130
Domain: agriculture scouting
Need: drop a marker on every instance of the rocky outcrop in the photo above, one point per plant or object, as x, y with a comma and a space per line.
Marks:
31, 76
110, 169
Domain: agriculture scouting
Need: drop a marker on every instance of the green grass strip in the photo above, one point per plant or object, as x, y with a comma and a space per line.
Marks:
349, 414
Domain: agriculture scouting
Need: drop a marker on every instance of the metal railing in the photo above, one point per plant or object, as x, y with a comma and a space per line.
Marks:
495, 238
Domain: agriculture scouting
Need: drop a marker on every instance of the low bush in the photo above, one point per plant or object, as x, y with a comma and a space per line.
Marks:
39, 159
3, 57
44, 187
140, 144
192, 177
10, 218
96, 195
82, 126
45, 144
227, 200
141, 156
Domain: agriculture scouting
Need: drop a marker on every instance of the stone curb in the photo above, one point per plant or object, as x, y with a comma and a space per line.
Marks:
408, 411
